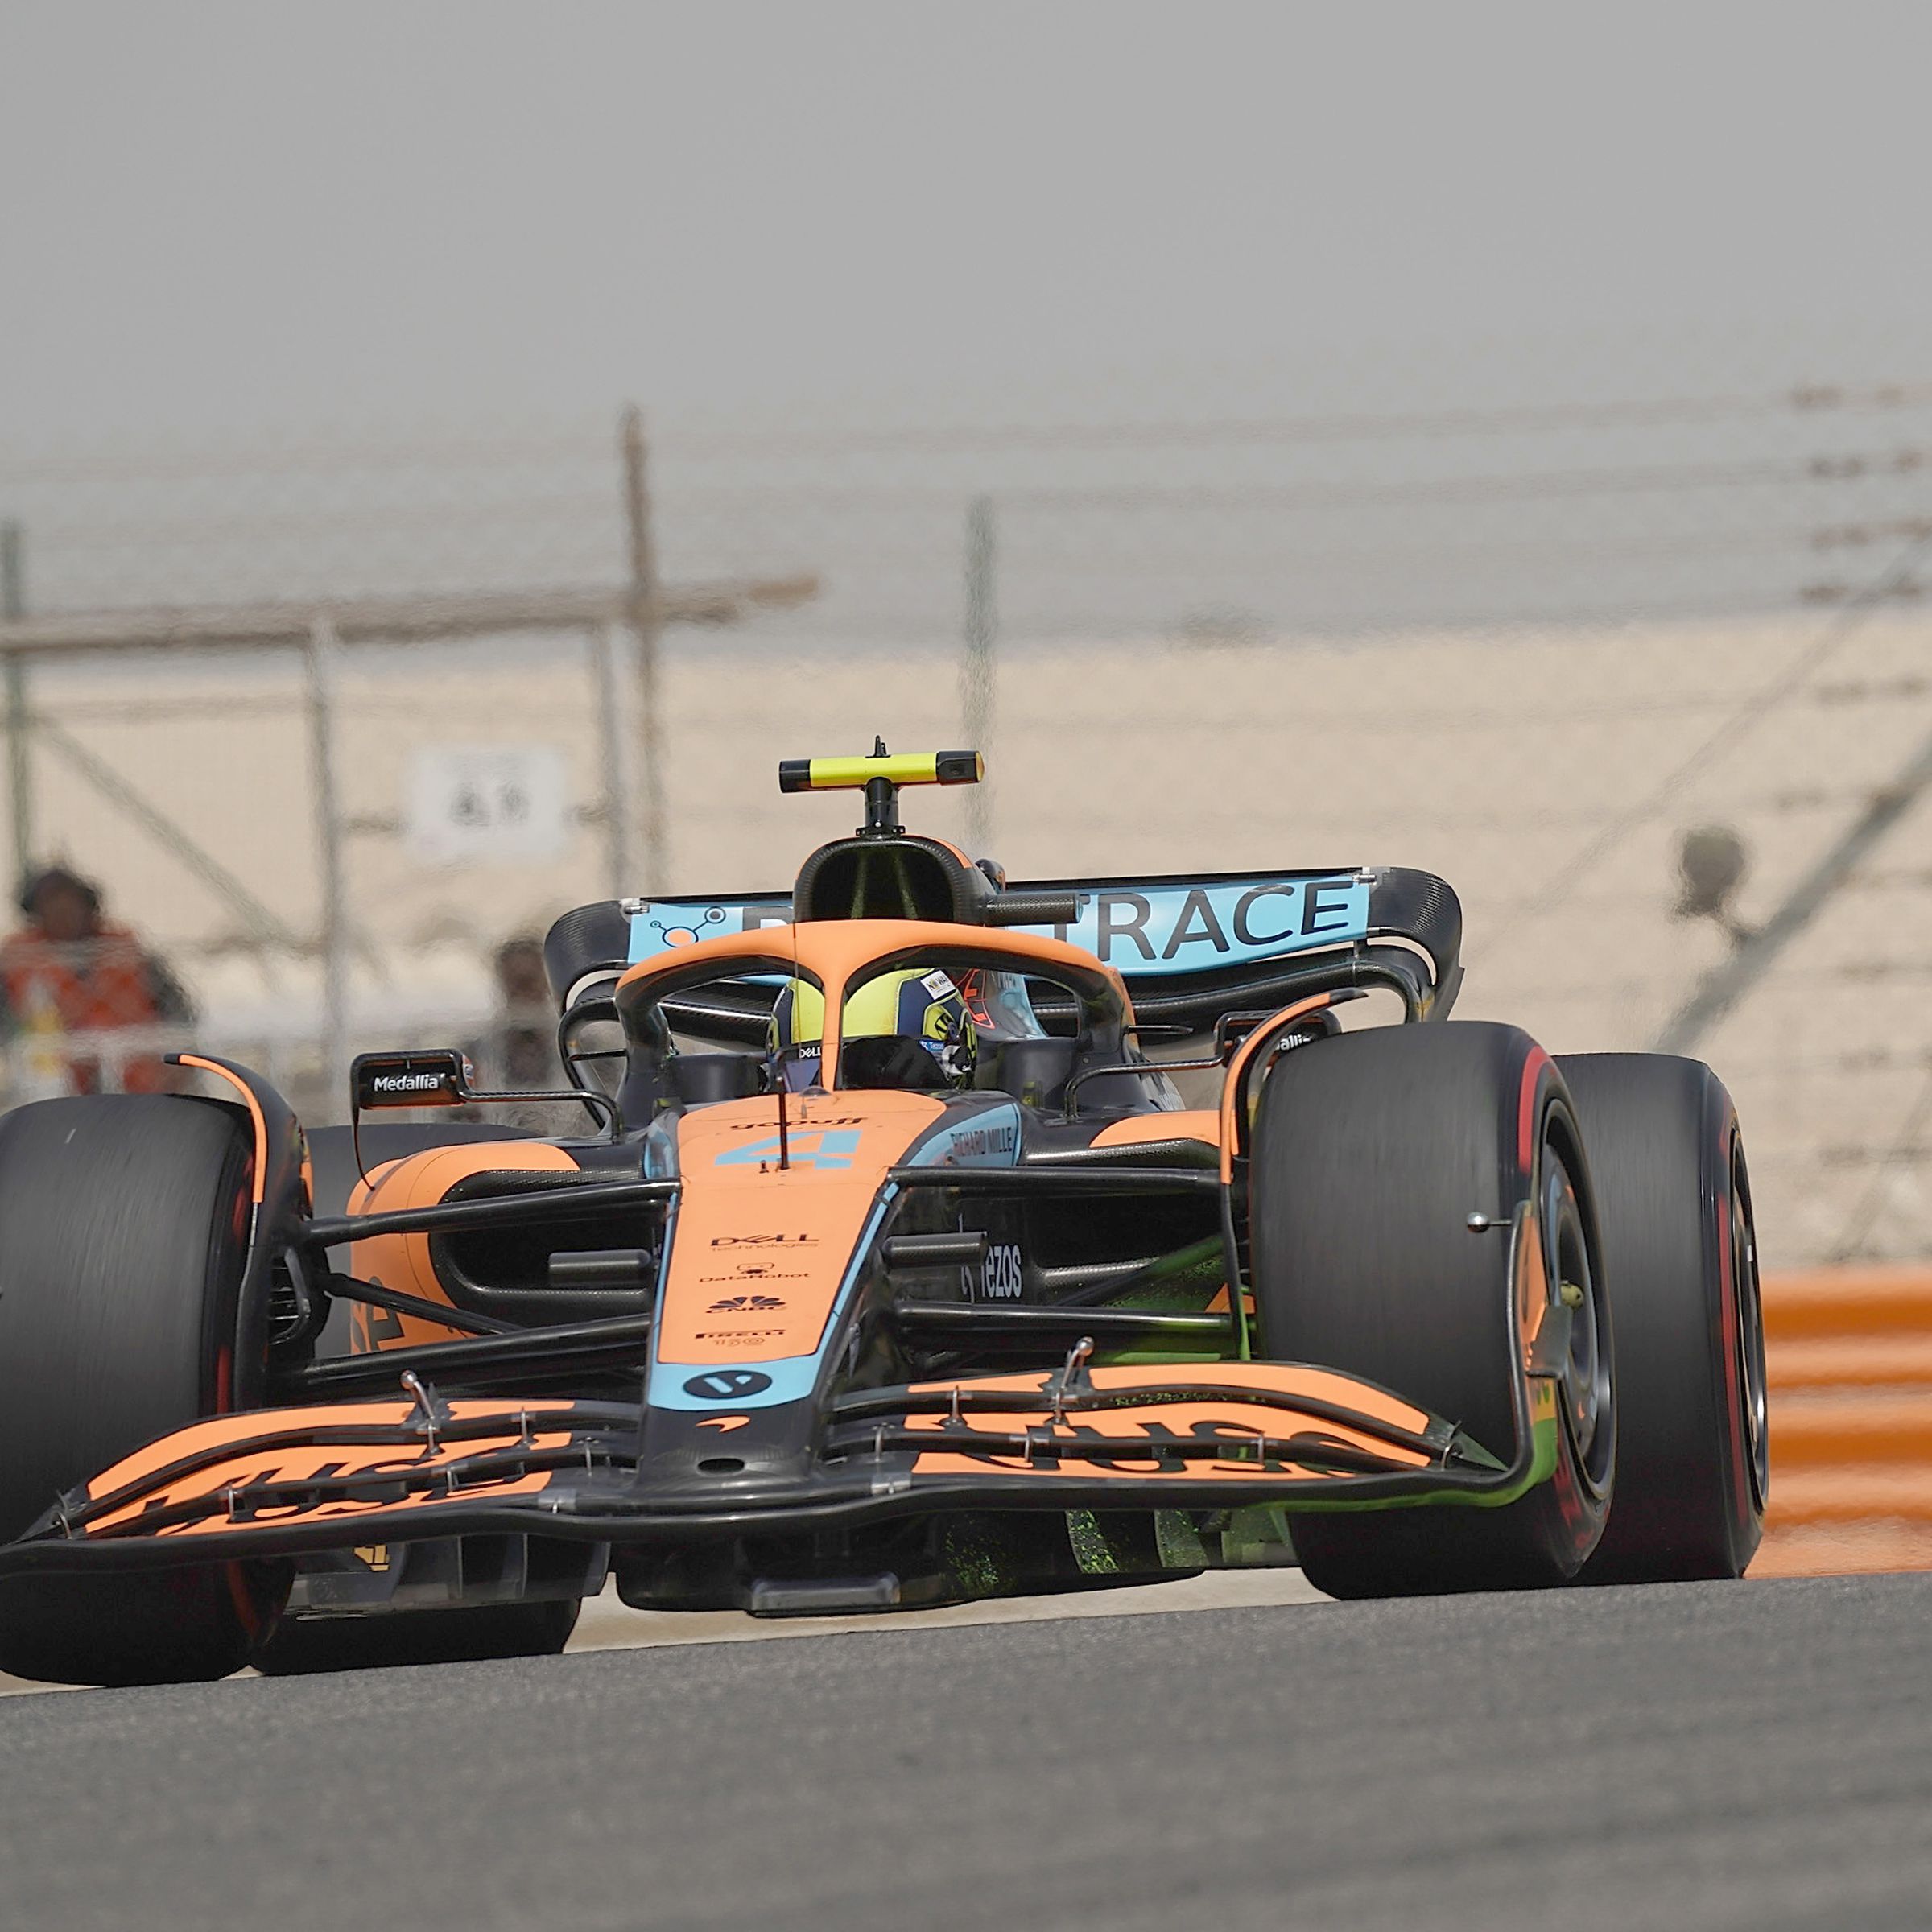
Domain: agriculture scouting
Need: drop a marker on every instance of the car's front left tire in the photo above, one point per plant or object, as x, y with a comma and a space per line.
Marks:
1371, 1151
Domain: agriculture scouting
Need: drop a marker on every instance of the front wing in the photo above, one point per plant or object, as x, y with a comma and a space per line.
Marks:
285, 1482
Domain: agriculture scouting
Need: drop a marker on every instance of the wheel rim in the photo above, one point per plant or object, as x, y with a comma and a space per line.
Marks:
1751, 1379
1584, 1388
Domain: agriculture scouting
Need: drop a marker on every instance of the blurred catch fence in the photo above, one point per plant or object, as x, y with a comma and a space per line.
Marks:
1649, 682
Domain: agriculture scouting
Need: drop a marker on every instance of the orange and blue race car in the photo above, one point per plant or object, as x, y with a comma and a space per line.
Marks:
891, 1268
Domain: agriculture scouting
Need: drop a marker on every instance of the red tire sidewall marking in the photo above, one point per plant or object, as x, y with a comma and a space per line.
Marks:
1538, 1076
1736, 1436
234, 1573
1529, 1115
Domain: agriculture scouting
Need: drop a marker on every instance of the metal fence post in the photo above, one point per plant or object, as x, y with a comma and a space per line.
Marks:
13, 605
979, 670
321, 655
606, 664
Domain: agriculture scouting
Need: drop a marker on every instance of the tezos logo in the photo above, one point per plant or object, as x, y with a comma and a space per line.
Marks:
1003, 1277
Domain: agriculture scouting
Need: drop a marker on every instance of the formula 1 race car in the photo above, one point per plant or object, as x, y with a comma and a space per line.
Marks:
890, 1269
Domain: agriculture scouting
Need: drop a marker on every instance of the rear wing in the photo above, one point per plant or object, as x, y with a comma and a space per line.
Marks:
1190, 947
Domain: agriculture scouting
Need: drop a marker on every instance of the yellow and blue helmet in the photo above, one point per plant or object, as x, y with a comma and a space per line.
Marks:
906, 1030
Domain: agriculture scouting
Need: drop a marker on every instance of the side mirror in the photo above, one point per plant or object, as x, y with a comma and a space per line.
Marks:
438, 1078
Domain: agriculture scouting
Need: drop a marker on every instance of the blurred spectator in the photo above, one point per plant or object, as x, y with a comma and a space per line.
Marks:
518, 1052
68, 973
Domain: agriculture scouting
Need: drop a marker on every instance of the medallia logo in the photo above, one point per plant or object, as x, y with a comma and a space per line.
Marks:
406, 1082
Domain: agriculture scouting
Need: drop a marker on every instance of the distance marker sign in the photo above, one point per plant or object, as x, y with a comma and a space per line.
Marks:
487, 804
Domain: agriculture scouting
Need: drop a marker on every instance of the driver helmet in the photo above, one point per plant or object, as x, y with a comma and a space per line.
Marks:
906, 1030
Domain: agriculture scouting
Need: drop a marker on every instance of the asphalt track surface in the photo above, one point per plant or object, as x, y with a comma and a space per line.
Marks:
1748, 1755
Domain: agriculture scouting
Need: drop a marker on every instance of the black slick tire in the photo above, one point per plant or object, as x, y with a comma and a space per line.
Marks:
1673, 1201
1370, 1152
122, 1220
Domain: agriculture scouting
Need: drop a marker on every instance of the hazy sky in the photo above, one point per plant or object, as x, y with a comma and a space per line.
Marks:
220, 218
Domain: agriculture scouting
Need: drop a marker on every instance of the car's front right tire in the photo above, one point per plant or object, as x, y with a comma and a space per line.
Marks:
122, 1220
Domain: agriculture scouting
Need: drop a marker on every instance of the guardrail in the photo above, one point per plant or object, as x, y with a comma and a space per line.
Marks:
1849, 1352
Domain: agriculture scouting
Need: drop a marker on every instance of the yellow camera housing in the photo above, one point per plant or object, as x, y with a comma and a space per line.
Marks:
903, 768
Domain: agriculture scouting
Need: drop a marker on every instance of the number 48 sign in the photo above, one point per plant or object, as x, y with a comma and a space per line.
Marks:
486, 804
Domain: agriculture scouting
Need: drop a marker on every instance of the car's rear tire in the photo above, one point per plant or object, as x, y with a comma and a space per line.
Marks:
122, 1220
1673, 1201
302, 1646
1370, 1152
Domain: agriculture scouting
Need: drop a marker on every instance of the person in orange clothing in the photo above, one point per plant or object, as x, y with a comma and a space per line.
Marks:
68, 972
